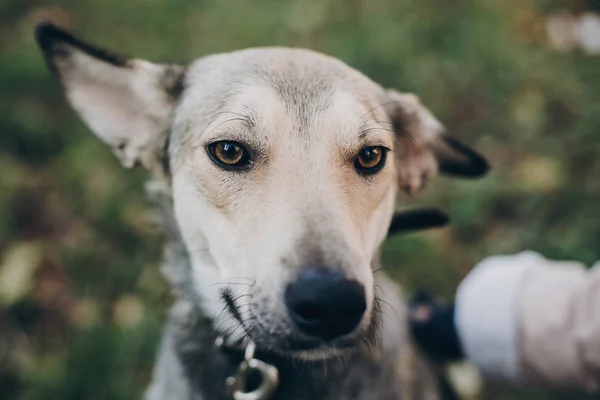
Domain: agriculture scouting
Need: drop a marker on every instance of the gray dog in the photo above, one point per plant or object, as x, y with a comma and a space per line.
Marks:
277, 171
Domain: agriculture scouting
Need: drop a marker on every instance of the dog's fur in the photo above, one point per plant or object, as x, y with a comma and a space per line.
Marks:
236, 238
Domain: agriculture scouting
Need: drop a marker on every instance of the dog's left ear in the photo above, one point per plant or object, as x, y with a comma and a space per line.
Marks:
423, 148
127, 102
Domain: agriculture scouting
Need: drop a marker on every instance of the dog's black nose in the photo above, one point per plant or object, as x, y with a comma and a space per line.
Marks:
323, 303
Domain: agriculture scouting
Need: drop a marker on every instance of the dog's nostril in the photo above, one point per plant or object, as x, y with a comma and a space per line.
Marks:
309, 312
323, 303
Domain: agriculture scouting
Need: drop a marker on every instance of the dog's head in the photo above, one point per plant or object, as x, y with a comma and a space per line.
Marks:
283, 165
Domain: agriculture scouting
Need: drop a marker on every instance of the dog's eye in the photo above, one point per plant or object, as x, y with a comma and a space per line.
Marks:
229, 154
370, 160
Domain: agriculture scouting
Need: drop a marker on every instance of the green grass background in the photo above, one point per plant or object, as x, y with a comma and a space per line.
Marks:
81, 299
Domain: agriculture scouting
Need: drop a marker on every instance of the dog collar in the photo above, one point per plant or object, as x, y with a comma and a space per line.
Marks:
235, 386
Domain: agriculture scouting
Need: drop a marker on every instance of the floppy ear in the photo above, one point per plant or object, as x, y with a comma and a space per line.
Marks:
126, 102
423, 148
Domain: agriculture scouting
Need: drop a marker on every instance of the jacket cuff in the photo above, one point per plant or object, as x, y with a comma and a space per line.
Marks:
487, 314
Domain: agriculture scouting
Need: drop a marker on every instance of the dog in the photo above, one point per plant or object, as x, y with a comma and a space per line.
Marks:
277, 171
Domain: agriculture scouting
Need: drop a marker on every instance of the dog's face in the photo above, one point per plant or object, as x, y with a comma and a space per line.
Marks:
283, 166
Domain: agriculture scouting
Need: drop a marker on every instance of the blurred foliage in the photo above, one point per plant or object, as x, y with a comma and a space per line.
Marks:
82, 301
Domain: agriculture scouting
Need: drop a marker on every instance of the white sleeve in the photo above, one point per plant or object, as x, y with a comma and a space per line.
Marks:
527, 319
487, 314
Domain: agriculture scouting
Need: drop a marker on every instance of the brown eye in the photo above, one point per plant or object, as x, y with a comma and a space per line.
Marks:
370, 160
229, 154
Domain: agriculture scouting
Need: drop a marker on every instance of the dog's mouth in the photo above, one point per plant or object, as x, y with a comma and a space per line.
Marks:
282, 338
309, 348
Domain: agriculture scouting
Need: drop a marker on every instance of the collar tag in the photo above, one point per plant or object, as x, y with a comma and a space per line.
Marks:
236, 385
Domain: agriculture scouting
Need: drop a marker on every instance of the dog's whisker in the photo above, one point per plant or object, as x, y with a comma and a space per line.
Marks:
246, 118
379, 299
398, 270
229, 319
234, 313
224, 283
387, 103
218, 316
218, 328
383, 122
231, 334
242, 119
377, 128
228, 334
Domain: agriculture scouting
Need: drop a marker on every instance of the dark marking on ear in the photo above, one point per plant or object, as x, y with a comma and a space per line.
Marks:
400, 119
460, 160
398, 126
173, 80
417, 220
164, 156
52, 39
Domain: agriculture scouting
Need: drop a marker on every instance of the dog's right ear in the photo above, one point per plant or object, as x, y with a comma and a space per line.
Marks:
127, 102
423, 148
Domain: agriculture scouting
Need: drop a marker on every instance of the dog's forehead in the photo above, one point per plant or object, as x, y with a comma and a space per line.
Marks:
290, 72
263, 83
